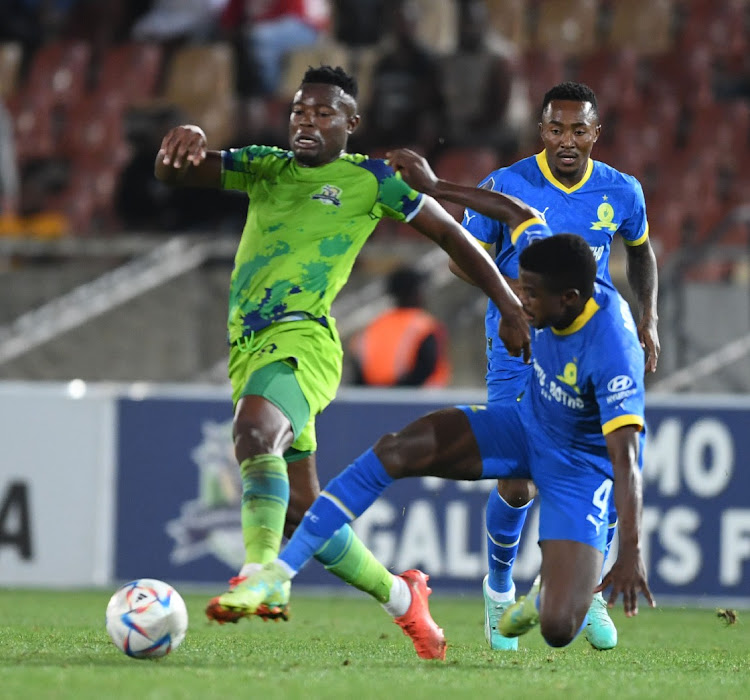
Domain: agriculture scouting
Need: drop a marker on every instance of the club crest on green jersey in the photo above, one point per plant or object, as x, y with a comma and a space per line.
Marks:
329, 195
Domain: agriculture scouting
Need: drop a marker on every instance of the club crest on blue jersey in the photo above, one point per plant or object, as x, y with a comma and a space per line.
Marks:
570, 376
329, 195
605, 218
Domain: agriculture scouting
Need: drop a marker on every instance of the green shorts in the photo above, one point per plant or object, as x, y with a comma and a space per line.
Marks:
304, 361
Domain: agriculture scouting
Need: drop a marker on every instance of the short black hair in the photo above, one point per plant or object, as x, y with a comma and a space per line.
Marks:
332, 76
575, 92
405, 284
565, 261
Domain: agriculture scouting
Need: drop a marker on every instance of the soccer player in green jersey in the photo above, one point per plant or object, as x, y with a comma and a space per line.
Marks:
311, 209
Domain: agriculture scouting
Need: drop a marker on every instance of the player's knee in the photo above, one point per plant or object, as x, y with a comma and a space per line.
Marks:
516, 492
250, 439
391, 450
561, 622
558, 630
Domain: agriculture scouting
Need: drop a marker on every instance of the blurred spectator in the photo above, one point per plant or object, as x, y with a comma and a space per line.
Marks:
173, 20
405, 346
406, 106
487, 98
142, 203
9, 179
271, 28
359, 22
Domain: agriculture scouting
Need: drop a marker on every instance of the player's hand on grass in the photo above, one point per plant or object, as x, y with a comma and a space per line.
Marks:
183, 146
627, 576
515, 334
414, 169
649, 337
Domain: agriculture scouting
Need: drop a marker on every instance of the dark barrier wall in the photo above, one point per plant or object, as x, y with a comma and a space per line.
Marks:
178, 493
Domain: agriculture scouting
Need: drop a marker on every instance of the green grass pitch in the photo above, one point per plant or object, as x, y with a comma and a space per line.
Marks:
54, 645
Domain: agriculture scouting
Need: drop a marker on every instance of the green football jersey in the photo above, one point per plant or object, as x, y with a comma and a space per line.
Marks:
304, 229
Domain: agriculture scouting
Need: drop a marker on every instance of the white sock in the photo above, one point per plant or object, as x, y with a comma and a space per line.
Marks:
505, 597
289, 570
249, 569
400, 599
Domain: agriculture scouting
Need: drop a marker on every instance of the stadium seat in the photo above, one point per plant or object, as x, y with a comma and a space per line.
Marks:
542, 68
642, 25
509, 19
60, 70
98, 134
437, 26
570, 26
11, 54
200, 81
466, 166
298, 61
131, 69
36, 131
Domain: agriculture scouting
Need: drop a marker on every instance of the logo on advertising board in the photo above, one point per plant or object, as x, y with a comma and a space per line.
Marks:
209, 525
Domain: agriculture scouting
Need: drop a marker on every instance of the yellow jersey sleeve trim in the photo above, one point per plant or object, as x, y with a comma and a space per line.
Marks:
485, 245
541, 160
518, 230
581, 320
611, 425
640, 240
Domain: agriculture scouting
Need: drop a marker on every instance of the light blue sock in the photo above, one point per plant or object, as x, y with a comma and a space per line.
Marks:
346, 497
504, 525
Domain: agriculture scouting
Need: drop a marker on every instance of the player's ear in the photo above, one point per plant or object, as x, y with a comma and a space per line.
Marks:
352, 123
597, 132
571, 297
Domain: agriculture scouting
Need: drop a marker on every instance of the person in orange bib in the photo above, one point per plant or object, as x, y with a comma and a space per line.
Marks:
406, 345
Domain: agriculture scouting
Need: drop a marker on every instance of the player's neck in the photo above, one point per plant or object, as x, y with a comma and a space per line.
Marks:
572, 179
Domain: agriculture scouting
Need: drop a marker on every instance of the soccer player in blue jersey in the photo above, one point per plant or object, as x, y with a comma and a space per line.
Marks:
573, 193
576, 430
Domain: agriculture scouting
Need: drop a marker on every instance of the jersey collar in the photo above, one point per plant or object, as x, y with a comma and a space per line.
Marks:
581, 320
541, 161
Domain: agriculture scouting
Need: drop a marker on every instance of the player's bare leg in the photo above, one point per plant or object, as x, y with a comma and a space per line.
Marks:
570, 572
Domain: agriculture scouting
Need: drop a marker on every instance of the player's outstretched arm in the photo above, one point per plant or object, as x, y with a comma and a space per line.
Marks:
435, 223
183, 159
628, 574
643, 279
417, 172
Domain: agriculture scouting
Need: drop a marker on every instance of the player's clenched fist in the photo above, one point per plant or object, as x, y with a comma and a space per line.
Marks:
183, 145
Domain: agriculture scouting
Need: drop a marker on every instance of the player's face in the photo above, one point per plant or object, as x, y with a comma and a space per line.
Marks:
543, 308
569, 130
320, 122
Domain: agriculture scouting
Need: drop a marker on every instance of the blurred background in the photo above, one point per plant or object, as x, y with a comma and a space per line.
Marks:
106, 274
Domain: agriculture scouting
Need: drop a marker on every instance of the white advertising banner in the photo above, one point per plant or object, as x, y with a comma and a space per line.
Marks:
56, 485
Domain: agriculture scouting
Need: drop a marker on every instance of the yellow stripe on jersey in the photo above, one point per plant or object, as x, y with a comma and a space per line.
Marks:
638, 241
581, 320
612, 425
541, 160
518, 230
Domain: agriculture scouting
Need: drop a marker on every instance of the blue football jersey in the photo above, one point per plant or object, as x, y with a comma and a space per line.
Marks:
603, 203
587, 379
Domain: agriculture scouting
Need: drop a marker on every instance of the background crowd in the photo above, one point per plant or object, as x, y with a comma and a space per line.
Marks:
89, 87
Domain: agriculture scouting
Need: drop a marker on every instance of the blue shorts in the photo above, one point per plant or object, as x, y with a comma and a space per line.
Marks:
508, 383
575, 487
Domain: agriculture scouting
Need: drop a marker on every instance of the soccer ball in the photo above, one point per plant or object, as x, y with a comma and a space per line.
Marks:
146, 618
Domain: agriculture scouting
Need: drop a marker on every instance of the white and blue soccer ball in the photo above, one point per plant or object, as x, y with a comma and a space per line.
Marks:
147, 618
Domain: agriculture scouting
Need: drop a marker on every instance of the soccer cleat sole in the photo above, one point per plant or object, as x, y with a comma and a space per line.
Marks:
217, 612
